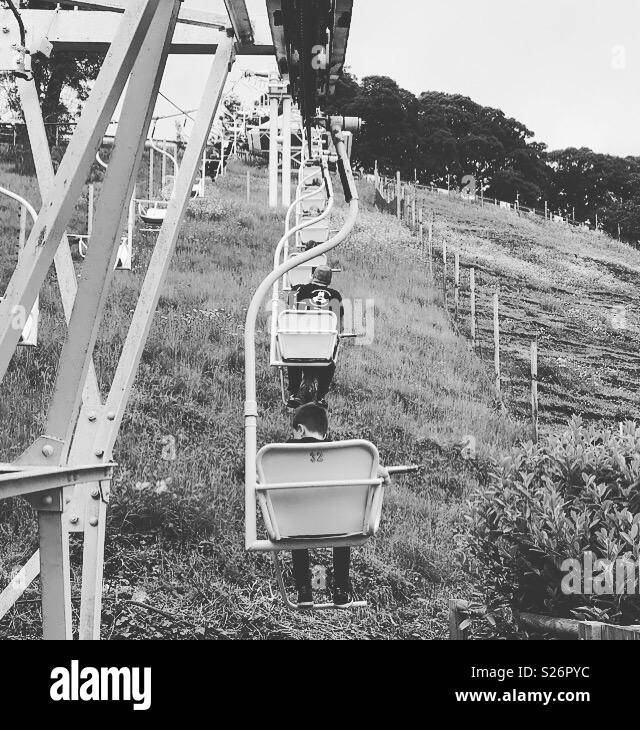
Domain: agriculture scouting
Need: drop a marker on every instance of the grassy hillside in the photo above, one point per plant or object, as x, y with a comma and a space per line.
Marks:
175, 530
566, 286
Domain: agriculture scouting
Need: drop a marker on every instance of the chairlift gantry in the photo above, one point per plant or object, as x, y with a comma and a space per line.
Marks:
66, 473
310, 39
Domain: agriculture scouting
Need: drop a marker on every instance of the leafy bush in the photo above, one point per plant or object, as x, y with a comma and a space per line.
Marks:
560, 499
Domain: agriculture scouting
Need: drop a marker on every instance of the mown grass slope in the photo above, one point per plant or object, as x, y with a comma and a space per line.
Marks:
175, 529
575, 290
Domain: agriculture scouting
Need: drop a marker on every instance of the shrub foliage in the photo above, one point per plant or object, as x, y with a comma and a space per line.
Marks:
569, 495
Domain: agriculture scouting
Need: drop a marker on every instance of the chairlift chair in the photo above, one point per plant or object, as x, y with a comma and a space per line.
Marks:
315, 233
152, 215
125, 254
124, 260
314, 200
319, 495
82, 241
303, 273
307, 337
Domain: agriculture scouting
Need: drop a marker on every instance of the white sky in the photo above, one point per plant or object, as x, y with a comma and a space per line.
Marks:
568, 69
549, 63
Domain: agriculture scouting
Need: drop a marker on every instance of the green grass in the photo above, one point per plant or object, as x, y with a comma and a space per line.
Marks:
175, 528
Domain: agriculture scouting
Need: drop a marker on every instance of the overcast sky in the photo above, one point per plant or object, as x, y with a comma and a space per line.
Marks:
568, 69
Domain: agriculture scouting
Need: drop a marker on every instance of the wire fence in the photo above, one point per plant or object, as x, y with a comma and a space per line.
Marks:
581, 350
389, 188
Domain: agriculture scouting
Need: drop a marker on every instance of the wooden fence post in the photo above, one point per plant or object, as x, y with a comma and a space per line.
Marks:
444, 273
472, 289
413, 210
398, 196
496, 339
421, 233
456, 617
456, 283
534, 390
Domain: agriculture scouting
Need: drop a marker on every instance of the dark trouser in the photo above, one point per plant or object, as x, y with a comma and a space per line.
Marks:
324, 375
302, 570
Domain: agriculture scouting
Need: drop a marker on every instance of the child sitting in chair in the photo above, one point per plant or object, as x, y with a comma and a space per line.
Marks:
316, 295
310, 424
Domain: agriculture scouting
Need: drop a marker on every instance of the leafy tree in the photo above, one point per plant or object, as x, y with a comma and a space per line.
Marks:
390, 134
65, 70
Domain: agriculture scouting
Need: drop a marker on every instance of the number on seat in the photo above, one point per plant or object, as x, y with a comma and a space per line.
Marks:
321, 492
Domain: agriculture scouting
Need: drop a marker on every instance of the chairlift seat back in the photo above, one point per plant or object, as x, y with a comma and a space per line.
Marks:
314, 204
312, 176
307, 336
153, 215
318, 233
302, 273
29, 337
123, 262
340, 494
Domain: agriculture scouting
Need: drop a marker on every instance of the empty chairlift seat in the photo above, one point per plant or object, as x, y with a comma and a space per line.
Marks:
314, 204
313, 192
153, 215
317, 233
321, 492
307, 336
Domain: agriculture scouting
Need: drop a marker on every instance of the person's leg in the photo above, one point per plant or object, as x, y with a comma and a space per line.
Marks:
302, 576
295, 380
341, 582
325, 378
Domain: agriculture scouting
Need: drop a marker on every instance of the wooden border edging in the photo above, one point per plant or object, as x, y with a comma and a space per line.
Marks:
564, 628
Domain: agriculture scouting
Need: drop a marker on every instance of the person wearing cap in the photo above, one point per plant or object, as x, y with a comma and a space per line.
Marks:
316, 295
311, 425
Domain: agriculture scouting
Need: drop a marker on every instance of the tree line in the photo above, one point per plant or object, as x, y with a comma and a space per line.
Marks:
443, 137
436, 136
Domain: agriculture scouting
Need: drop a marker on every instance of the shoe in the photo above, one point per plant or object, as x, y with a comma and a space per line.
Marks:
305, 597
341, 598
322, 402
294, 402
